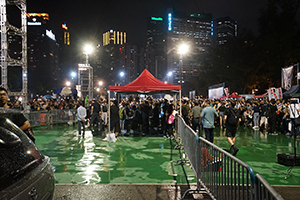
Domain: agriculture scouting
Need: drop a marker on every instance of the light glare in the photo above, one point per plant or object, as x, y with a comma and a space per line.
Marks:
183, 49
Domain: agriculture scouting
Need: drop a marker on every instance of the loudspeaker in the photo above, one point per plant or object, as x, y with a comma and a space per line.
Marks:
288, 159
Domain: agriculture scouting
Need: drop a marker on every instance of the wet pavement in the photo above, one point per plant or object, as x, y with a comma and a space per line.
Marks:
90, 160
83, 164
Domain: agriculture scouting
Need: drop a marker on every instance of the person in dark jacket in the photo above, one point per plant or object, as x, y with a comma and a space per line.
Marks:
231, 119
272, 117
114, 117
18, 119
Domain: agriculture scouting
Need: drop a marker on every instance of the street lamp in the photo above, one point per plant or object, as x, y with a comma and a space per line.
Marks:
73, 75
122, 74
88, 49
182, 50
169, 74
68, 83
100, 83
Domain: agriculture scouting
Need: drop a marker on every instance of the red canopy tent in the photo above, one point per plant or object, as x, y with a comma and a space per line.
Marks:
224, 97
146, 83
234, 95
261, 96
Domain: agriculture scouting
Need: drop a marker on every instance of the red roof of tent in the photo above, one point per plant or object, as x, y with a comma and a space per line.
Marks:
261, 96
233, 95
145, 83
224, 97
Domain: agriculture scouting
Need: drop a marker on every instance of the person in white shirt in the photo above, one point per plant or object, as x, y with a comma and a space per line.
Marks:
81, 114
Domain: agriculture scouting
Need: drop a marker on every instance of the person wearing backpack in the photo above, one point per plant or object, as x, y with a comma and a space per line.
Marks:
231, 119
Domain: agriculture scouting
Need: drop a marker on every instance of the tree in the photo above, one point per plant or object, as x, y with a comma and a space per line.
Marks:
278, 42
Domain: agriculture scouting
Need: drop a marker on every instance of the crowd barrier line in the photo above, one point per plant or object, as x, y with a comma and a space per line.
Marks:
220, 174
44, 117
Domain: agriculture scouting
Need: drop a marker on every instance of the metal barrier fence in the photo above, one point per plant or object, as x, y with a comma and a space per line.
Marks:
38, 118
264, 190
222, 175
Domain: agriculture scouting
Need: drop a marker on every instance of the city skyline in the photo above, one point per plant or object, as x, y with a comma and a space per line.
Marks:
90, 21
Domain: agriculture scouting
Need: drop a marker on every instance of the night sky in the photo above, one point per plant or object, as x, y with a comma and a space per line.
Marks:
88, 19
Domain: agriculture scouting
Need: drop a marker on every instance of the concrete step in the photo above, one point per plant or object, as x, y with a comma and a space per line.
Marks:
116, 192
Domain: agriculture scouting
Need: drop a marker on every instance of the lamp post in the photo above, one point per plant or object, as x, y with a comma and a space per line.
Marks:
100, 89
87, 50
182, 50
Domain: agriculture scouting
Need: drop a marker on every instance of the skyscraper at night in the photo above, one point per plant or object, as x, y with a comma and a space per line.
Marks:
43, 50
196, 30
119, 58
155, 51
225, 29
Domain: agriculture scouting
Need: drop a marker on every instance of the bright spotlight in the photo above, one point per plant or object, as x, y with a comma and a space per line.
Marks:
88, 49
183, 49
122, 74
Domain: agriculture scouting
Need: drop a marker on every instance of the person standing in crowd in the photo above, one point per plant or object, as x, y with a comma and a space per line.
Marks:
221, 110
164, 108
207, 118
263, 117
81, 115
294, 113
170, 116
122, 116
272, 117
186, 112
104, 112
196, 111
231, 119
285, 118
18, 119
114, 118
95, 111
145, 116
255, 114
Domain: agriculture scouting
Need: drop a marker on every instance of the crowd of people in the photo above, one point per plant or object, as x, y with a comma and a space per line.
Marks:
152, 116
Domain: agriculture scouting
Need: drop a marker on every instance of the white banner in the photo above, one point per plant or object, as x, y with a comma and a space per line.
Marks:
226, 92
275, 93
286, 77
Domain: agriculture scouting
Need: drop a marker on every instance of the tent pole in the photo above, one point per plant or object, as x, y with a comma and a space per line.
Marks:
175, 102
180, 102
108, 111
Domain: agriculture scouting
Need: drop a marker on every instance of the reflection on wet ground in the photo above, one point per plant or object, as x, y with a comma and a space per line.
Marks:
146, 160
90, 160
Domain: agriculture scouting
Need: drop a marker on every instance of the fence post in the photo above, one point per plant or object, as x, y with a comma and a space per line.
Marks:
253, 183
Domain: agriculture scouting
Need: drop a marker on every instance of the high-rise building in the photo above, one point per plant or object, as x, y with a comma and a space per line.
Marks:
68, 60
43, 50
114, 37
119, 58
225, 28
155, 51
196, 30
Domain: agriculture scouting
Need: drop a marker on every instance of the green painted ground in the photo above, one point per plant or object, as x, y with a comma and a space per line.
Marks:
259, 150
142, 160
88, 160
